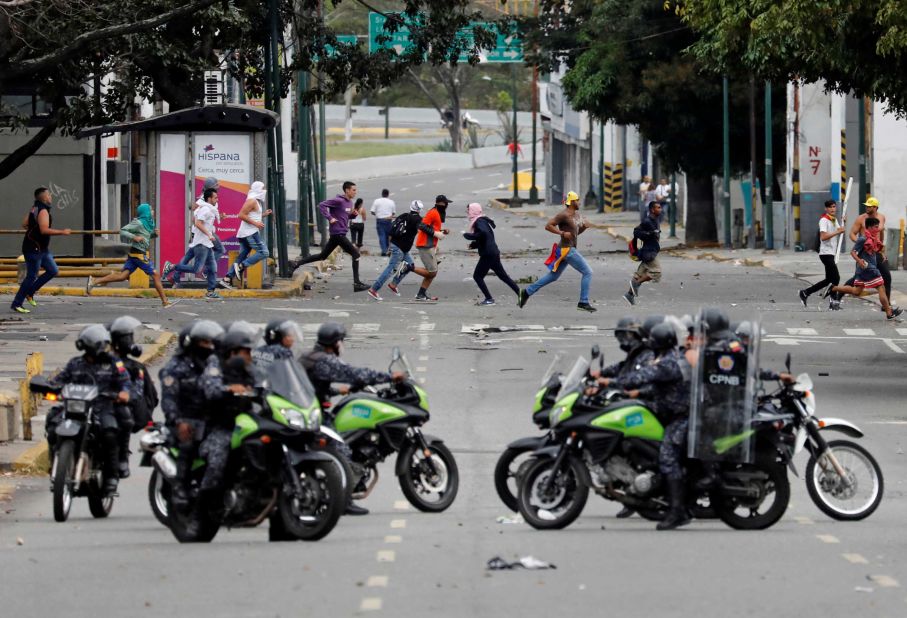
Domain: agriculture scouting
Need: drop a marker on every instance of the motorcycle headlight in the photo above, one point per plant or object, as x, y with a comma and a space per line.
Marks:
76, 406
300, 420
555, 417
151, 440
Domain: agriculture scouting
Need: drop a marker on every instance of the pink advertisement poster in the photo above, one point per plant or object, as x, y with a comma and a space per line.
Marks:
224, 156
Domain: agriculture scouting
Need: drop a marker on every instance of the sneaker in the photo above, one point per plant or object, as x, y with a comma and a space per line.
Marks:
20, 309
827, 291
586, 307
522, 299
374, 294
393, 288
401, 269
834, 305
168, 269
31, 301
895, 313
421, 298
486, 302
634, 287
169, 304
803, 296
629, 297
89, 285
358, 286
240, 272
213, 294
225, 283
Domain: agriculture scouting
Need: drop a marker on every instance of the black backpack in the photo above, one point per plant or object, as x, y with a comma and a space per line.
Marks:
400, 227
143, 408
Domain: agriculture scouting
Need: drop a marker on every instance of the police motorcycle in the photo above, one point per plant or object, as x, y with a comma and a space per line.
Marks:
843, 479
275, 470
610, 443
379, 422
77, 447
508, 466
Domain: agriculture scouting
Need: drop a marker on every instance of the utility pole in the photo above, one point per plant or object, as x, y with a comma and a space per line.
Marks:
323, 155
673, 217
861, 153
726, 141
515, 200
533, 189
280, 199
601, 167
769, 184
751, 232
589, 200
303, 167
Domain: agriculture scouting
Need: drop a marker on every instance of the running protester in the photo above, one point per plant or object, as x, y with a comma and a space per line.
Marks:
856, 230
402, 236
201, 246
249, 233
867, 276
138, 233
357, 223
481, 233
649, 268
430, 232
337, 212
829, 230
36, 250
568, 224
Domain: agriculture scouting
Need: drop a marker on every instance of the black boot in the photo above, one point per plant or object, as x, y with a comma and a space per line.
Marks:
123, 452
111, 465
354, 509
677, 515
625, 513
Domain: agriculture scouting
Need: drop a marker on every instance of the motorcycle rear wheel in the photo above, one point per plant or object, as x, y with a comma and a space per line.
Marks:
159, 496
62, 482
316, 516
825, 488
561, 505
505, 472
775, 487
418, 483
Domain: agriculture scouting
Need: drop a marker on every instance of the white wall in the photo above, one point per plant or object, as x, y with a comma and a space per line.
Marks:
815, 138
889, 156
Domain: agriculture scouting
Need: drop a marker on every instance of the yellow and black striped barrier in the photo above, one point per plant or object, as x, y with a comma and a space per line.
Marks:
843, 161
614, 187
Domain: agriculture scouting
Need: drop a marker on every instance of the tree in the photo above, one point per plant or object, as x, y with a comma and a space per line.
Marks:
853, 45
625, 61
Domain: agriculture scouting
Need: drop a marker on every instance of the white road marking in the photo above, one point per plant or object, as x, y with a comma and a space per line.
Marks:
473, 328
401, 505
386, 555
494, 174
401, 189
423, 358
427, 326
894, 347
884, 581
859, 332
377, 581
421, 380
902, 331
828, 538
397, 524
365, 327
421, 369
370, 604
802, 331
332, 313
806, 521
436, 182
393, 538
855, 559
887, 422
421, 184
466, 178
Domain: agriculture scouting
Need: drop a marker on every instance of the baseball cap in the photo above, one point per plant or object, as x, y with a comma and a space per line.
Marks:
416, 206
571, 197
442, 198
871, 202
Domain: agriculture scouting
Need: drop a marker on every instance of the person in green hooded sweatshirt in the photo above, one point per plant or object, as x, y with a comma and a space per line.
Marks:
138, 233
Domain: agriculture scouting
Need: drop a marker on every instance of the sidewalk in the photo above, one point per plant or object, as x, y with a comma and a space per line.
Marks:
30, 456
803, 265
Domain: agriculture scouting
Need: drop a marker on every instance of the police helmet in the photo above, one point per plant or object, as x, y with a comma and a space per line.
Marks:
122, 334
715, 320
627, 333
182, 338
204, 330
663, 337
238, 339
93, 339
276, 330
649, 323
331, 333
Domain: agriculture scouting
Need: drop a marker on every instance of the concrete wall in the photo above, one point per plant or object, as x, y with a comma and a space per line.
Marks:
376, 167
889, 155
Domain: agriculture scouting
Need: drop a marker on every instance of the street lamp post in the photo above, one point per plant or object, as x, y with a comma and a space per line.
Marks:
515, 200
533, 189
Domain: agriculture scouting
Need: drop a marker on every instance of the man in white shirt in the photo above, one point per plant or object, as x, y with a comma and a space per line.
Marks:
202, 245
663, 191
829, 230
384, 210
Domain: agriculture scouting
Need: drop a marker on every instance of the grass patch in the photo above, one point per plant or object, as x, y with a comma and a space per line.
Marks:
344, 151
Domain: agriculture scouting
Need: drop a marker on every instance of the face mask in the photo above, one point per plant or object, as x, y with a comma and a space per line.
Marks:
442, 210
339, 348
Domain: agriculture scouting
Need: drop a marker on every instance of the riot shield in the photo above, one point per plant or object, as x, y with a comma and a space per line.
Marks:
722, 396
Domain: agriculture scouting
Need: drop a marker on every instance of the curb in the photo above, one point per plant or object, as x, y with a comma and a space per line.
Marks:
36, 460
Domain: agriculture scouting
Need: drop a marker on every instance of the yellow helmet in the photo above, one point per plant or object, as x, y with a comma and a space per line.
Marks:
571, 197
871, 202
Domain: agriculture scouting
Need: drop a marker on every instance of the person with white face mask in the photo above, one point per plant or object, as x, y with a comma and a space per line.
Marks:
249, 233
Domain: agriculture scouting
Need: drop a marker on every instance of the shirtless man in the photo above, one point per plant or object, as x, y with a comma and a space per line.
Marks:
859, 229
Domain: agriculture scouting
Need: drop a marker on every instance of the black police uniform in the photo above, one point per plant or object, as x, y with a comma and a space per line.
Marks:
264, 355
183, 401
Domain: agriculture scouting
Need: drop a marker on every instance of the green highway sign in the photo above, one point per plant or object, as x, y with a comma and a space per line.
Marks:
348, 39
509, 47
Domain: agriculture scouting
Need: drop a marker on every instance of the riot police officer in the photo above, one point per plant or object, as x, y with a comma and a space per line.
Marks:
144, 398
666, 382
632, 338
98, 366
182, 401
280, 337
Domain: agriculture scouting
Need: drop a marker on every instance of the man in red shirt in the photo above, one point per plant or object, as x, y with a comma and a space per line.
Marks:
430, 232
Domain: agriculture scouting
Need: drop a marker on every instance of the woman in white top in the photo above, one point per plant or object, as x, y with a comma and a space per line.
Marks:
249, 233
357, 223
829, 230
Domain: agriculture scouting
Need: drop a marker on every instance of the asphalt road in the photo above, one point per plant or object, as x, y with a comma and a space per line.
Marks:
399, 562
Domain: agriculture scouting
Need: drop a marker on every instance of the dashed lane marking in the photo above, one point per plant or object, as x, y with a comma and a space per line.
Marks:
386, 555
894, 347
884, 581
401, 505
425, 326
802, 331
855, 559
828, 538
365, 327
370, 604
859, 332
423, 358
806, 521
393, 538
902, 331
421, 369
398, 523
421, 380
377, 581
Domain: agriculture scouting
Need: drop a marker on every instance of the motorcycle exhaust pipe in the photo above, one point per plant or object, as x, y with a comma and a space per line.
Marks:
165, 464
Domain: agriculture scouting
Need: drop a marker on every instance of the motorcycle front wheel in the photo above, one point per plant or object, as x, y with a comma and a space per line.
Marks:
505, 476
99, 503
769, 490
159, 496
191, 525
431, 488
854, 497
62, 482
314, 514
552, 504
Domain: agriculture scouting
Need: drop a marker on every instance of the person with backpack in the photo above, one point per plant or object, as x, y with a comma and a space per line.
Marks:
481, 233
402, 236
649, 268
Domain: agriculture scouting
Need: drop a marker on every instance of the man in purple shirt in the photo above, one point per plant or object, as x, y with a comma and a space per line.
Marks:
337, 212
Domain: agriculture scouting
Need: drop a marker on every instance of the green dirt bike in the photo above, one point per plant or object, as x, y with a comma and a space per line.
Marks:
611, 444
376, 423
275, 471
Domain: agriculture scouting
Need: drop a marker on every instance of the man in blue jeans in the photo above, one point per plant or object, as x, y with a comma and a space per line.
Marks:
568, 224
401, 262
202, 246
248, 235
36, 250
384, 210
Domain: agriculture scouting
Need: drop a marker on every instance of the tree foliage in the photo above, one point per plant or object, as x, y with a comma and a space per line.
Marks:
858, 45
